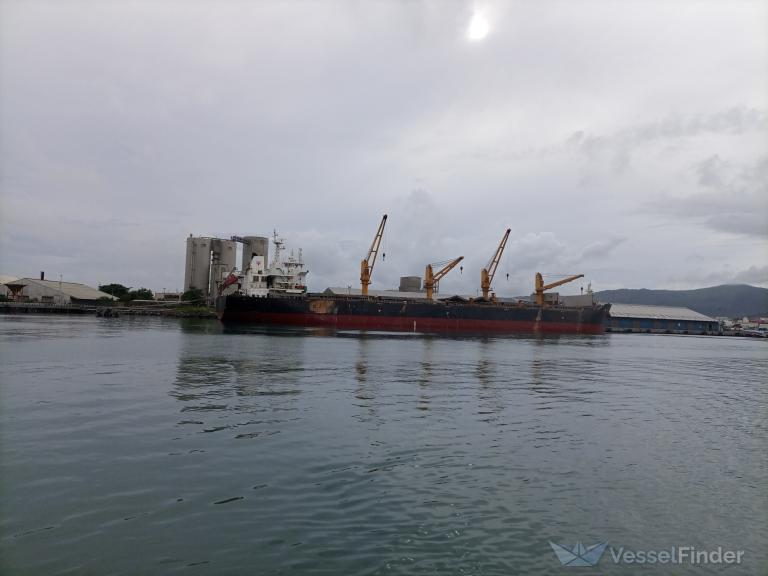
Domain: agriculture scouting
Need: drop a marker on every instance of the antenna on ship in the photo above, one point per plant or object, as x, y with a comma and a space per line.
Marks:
278, 246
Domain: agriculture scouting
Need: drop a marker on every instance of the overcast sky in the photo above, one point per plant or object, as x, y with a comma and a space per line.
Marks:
624, 140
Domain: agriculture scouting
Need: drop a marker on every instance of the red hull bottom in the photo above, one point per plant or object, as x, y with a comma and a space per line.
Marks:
406, 324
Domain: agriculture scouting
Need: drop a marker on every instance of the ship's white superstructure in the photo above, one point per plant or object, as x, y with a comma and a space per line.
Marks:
285, 275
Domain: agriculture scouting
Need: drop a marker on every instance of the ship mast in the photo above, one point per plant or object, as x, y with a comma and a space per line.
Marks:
279, 242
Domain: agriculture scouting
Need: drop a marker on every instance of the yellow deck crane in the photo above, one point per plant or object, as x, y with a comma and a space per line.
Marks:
431, 279
487, 273
540, 286
366, 266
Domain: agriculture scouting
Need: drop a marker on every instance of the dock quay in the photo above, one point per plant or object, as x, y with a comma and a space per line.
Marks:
173, 311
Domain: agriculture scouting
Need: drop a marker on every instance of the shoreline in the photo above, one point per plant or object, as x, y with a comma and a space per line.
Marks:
107, 311
206, 313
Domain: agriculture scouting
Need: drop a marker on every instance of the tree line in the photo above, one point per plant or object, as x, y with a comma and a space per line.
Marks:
127, 294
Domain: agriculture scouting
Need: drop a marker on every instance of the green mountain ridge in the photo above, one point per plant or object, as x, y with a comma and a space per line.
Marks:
729, 300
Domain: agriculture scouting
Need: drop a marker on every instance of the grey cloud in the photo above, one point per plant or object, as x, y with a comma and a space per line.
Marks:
710, 172
619, 145
753, 224
536, 249
734, 120
601, 249
735, 199
752, 275
700, 277
124, 126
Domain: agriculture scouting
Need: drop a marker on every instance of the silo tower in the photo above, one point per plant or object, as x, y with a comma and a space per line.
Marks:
223, 258
254, 246
198, 266
209, 261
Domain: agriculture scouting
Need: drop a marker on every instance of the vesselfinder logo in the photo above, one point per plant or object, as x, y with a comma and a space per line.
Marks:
579, 555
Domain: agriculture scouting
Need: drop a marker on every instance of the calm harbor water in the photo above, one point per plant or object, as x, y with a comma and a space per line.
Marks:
158, 446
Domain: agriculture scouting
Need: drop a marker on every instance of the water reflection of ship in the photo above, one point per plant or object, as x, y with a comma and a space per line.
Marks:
218, 384
426, 374
366, 390
492, 388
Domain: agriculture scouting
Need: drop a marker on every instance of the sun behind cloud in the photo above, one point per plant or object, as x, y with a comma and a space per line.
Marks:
478, 27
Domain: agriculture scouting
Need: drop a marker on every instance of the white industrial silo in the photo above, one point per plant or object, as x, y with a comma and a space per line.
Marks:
198, 264
223, 258
255, 246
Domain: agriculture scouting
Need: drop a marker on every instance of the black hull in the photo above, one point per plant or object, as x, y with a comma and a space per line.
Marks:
355, 312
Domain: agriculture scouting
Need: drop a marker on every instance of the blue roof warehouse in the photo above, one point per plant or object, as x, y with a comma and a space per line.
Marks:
659, 319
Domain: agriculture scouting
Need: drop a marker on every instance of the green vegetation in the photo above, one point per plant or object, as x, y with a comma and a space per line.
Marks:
193, 310
117, 290
193, 295
141, 294
125, 294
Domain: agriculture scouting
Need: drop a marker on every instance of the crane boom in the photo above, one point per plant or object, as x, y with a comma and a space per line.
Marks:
431, 278
366, 266
540, 286
487, 273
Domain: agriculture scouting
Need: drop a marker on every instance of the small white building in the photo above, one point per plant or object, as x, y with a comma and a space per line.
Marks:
53, 292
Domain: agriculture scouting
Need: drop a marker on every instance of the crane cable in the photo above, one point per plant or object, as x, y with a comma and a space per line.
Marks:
384, 252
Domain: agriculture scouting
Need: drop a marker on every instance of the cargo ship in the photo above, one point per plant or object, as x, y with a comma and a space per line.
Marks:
454, 314
276, 294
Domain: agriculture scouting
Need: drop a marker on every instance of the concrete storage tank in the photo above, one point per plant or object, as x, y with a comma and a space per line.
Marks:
255, 246
410, 284
223, 258
198, 264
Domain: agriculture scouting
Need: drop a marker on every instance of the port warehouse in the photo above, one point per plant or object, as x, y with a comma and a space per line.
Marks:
659, 319
53, 292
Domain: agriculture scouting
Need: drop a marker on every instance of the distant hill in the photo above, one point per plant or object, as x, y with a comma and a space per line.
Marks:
731, 300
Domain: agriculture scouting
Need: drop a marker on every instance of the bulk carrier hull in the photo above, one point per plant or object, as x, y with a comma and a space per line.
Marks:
403, 315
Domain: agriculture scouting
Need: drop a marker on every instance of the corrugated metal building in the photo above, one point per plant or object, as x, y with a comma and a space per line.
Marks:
659, 319
54, 292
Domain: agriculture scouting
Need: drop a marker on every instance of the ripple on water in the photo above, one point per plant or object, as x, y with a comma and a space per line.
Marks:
297, 451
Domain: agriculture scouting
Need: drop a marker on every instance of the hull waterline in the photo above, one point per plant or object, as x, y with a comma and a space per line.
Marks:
409, 315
